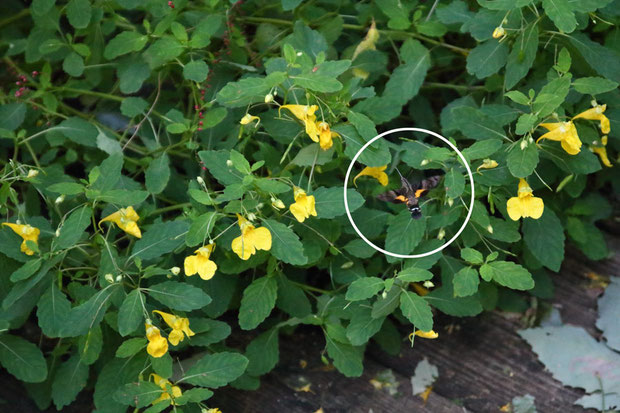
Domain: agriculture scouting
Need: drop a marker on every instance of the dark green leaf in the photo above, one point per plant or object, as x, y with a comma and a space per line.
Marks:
157, 174
416, 310
508, 274
179, 296
285, 244
22, 359
216, 370
258, 300
329, 202
487, 58
74, 227
160, 239
130, 313
544, 238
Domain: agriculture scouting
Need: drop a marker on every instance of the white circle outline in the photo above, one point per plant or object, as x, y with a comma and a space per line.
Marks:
471, 181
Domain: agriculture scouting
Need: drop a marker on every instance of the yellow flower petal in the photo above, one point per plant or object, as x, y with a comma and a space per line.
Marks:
601, 151
427, 334
564, 132
158, 345
260, 238
325, 135
369, 41
200, 263
125, 219
175, 337
28, 233
304, 205
525, 204
376, 172
242, 248
305, 113
596, 113
249, 119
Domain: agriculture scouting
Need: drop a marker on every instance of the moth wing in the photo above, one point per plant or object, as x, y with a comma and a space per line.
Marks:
390, 196
431, 182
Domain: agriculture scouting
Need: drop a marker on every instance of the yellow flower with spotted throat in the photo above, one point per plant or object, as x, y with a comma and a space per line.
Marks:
565, 133
305, 113
525, 204
200, 263
28, 233
179, 325
303, 206
251, 239
126, 219
158, 345
165, 387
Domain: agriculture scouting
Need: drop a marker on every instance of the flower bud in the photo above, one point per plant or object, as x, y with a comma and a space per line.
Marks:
260, 206
347, 265
119, 278
524, 144
109, 278
57, 233
441, 234
384, 294
268, 98
424, 162
277, 203
428, 284
32, 173
59, 200
490, 229
175, 270
499, 32
450, 202
299, 54
229, 163
251, 216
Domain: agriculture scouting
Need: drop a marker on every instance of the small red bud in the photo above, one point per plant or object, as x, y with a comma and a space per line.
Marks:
35, 73
18, 83
200, 123
200, 115
314, 69
199, 129
196, 107
171, 4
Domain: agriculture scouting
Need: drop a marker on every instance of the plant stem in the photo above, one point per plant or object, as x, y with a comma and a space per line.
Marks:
170, 208
25, 12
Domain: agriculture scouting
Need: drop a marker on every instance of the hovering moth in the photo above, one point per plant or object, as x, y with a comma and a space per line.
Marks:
410, 193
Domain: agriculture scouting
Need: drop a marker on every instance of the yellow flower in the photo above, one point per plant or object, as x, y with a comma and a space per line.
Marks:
367, 44
525, 204
179, 326
214, 410
28, 233
126, 219
601, 151
200, 263
326, 135
424, 334
305, 114
251, 239
303, 206
158, 346
249, 119
596, 113
487, 164
164, 384
564, 132
376, 172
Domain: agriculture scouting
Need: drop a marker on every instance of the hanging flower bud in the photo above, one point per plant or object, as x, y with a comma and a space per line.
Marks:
268, 98
59, 200
109, 278
200, 180
499, 32
175, 270
428, 284
32, 173
441, 234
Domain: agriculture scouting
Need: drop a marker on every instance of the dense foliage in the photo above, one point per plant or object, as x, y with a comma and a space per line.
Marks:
173, 172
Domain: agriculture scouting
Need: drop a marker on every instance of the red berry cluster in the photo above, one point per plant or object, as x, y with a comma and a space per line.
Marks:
171, 4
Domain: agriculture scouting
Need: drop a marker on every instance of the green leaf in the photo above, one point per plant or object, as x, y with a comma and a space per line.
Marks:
201, 228
263, 353
66, 188
123, 43
79, 131
525, 124
508, 274
551, 96
285, 244
157, 174
487, 58
160, 239
258, 300
594, 85
544, 238
217, 331
454, 183
26, 270
73, 65
384, 306
22, 359
414, 274
214, 117
363, 326
603, 60
12, 115
248, 90
329, 202
42, 7
131, 346
317, 83
404, 233
130, 313
313, 155
239, 162
132, 75
69, 380
472, 256
79, 13
215, 162
364, 288
88, 315
139, 394
522, 163
503, 4
196, 70
179, 296
347, 358
521, 57
443, 299
288, 5
406, 79
133, 106
561, 13
588, 238
476, 125
90, 345
122, 197
482, 149
53, 312
216, 370
162, 51
416, 310
73, 228
465, 282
